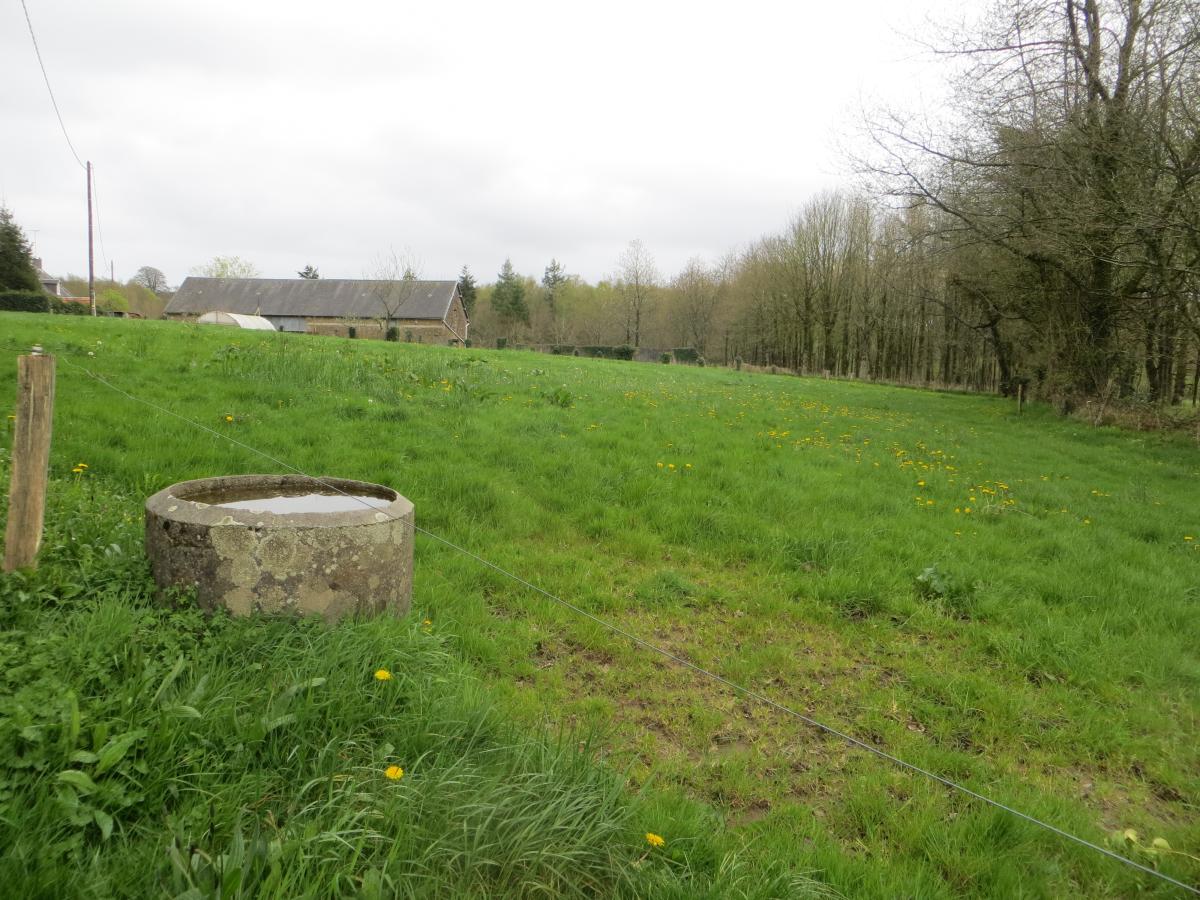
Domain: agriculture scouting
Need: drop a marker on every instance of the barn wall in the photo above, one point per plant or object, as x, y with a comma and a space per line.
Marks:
423, 331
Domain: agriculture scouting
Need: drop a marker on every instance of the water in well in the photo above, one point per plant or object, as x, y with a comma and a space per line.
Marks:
291, 502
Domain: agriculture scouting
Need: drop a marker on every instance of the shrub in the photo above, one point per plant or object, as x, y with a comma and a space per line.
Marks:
113, 300
393, 333
686, 354
501, 343
562, 349
24, 301
408, 336
601, 351
665, 359
66, 308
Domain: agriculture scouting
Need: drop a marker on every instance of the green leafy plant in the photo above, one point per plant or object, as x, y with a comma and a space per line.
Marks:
1129, 842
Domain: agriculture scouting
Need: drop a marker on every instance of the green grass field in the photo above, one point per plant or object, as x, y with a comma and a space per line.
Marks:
1010, 601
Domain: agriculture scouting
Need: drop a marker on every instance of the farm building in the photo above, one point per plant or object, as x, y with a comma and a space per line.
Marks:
420, 311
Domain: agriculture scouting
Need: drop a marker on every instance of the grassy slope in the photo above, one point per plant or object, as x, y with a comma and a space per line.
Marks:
1049, 659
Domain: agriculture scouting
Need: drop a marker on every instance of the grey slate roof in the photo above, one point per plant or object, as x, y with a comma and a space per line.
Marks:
321, 297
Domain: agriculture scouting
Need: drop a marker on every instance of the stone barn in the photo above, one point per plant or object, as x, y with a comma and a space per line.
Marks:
420, 311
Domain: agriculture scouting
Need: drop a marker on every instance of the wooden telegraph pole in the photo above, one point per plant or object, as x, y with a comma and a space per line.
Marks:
30, 460
91, 255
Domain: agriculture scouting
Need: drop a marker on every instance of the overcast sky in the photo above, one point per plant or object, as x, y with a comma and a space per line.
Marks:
291, 132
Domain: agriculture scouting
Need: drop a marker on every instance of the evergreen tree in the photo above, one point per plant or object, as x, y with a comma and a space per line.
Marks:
16, 262
552, 280
310, 272
467, 289
508, 296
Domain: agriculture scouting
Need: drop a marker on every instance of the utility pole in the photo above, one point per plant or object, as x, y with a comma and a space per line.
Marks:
91, 257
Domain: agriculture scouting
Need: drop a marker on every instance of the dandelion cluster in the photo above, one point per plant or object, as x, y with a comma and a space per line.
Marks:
671, 468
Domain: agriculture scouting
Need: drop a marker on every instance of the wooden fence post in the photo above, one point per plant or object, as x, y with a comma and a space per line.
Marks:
30, 460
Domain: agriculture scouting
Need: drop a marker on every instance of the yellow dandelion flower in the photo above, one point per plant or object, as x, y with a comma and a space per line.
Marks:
77, 470
920, 484
670, 465
1188, 537
229, 418
393, 773
654, 840
383, 675
82, 465
660, 465
427, 622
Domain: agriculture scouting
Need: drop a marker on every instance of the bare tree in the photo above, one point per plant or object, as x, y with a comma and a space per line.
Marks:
227, 267
699, 291
393, 282
151, 278
1071, 146
637, 282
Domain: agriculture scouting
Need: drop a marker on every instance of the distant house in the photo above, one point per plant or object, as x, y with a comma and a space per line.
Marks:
50, 284
421, 311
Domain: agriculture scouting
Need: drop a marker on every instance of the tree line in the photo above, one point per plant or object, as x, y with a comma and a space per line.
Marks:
1042, 231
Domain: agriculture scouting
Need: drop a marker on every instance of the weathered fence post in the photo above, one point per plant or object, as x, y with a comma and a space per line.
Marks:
30, 460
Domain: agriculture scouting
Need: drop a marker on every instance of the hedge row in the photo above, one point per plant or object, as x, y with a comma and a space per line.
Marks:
25, 301
38, 302
602, 352
64, 308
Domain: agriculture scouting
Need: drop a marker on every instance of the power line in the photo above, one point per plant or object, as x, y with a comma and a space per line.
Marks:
641, 642
46, 78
